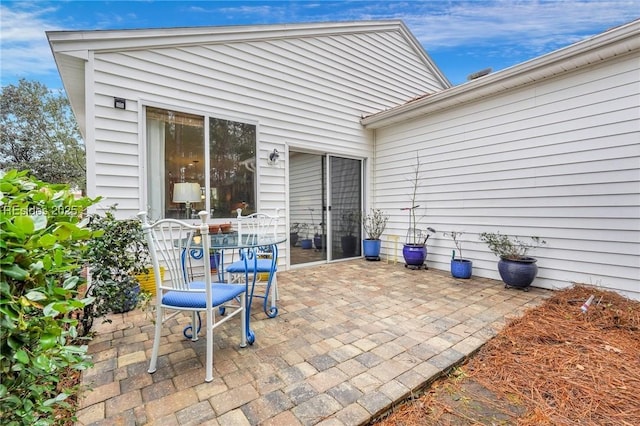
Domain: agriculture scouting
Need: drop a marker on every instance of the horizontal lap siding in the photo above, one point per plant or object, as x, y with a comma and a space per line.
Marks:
305, 176
559, 159
306, 92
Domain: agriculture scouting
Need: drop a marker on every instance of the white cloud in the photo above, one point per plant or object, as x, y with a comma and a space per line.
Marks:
491, 31
25, 50
256, 13
535, 26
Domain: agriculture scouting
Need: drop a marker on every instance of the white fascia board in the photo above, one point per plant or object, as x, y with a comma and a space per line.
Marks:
419, 49
615, 42
108, 40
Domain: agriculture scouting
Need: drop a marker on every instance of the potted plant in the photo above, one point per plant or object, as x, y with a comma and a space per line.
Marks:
349, 242
374, 225
114, 258
305, 242
460, 267
414, 250
294, 229
515, 267
319, 237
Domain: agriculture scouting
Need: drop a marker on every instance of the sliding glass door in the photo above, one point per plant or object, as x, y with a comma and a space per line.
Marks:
325, 204
345, 195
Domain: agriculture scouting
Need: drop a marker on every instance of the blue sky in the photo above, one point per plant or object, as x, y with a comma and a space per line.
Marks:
462, 37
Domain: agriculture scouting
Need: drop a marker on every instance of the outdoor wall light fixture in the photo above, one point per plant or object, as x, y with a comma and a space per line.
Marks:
274, 157
119, 103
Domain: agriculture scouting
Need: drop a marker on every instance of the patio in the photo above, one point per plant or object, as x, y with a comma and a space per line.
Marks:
350, 339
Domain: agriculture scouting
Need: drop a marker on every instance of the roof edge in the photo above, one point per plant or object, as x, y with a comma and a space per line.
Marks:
516, 76
96, 40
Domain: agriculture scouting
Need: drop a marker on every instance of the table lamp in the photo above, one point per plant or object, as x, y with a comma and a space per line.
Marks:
186, 192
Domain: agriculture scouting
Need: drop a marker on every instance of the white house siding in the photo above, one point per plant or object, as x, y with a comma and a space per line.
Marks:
559, 159
305, 92
305, 186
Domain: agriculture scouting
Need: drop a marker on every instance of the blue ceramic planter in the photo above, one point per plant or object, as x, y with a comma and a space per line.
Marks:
461, 268
371, 249
518, 273
215, 261
306, 243
128, 299
414, 255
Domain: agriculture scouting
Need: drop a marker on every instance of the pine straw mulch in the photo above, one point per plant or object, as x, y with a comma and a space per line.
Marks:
64, 415
553, 366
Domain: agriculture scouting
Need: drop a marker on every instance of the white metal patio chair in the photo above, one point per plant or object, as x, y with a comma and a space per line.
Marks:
252, 229
169, 241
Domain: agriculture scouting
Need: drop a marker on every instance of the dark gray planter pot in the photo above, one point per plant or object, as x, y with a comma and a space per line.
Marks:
349, 245
518, 273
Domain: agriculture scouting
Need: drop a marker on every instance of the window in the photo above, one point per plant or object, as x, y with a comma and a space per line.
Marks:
179, 182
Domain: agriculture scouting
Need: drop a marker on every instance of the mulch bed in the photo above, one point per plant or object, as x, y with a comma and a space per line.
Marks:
64, 415
556, 365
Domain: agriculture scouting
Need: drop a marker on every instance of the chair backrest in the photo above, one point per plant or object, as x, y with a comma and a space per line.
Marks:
173, 243
256, 225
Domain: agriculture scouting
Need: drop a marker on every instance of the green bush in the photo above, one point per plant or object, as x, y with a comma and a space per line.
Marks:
114, 258
41, 254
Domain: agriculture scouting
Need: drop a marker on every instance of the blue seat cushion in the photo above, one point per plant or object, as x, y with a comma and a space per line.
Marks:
263, 265
221, 293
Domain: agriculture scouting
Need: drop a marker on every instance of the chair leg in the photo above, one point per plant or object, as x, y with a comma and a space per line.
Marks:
209, 368
194, 326
156, 340
271, 293
275, 287
243, 321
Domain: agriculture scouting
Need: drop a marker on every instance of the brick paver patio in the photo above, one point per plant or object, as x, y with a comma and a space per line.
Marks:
351, 338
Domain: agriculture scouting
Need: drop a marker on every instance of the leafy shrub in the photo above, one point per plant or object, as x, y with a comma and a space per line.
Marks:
41, 252
508, 247
114, 257
375, 223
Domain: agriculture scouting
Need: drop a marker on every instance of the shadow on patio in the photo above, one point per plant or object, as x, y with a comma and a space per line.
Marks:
350, 339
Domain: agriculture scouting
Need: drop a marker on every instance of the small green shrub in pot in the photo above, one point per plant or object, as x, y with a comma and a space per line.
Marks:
114, 258
515, 267
460, 267
455, 236
508, 247
348, 241
350, 219
374, 223
293, 233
